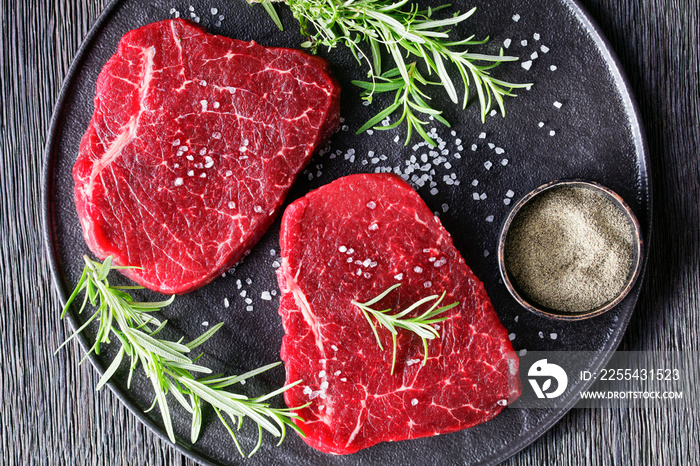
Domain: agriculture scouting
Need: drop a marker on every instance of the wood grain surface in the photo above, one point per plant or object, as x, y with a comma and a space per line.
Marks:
51, 413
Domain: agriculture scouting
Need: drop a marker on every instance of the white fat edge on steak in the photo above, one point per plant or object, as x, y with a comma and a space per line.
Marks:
290, 285
128, 131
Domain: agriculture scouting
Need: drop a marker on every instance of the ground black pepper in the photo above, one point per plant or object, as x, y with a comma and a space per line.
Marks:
570, 249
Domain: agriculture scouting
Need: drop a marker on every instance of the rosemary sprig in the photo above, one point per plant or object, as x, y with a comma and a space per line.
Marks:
166, 363
407, 34
421, 325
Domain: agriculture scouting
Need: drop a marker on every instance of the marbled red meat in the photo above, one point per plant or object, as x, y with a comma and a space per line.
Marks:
192, 147
351, 240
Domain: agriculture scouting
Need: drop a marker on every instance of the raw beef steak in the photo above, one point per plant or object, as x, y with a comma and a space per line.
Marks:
193, 145
351, 240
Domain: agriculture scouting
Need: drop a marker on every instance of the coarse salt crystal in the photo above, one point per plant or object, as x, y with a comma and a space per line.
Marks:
204, 105
489, 218
553, 336
418, 269
557, 104
265, 295
475, 196
536, 36
526, 64
322, 374
414, 402
373, 227
544, 49
178, 181
427, 284
552, 133
231, 205
257, 209
506, 43
511, 337
371, 205
488, 165
342, 249
510, 193
534, 56
209, 162
504, 162
540, 124
523, 43
516, 18
506, 201
398, 276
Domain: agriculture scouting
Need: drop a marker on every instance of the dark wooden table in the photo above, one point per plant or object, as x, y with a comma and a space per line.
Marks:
50, 411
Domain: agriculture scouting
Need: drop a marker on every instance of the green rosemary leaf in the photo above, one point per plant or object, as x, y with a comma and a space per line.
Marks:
420, 325
379, 87
111, 369
78, 288
196, 419
379, 117
204, 337
277, 392
222, 382
165, 363
270, 9
406, 33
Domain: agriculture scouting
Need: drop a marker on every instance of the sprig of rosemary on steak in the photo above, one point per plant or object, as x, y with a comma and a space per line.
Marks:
421, 325
166, 363
409, 35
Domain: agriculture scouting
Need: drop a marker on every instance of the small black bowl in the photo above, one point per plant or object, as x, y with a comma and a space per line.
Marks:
635, 269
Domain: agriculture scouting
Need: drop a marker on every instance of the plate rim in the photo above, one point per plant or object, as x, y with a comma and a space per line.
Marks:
621, 82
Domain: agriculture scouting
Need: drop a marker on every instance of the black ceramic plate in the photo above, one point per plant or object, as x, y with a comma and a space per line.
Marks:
595, 134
